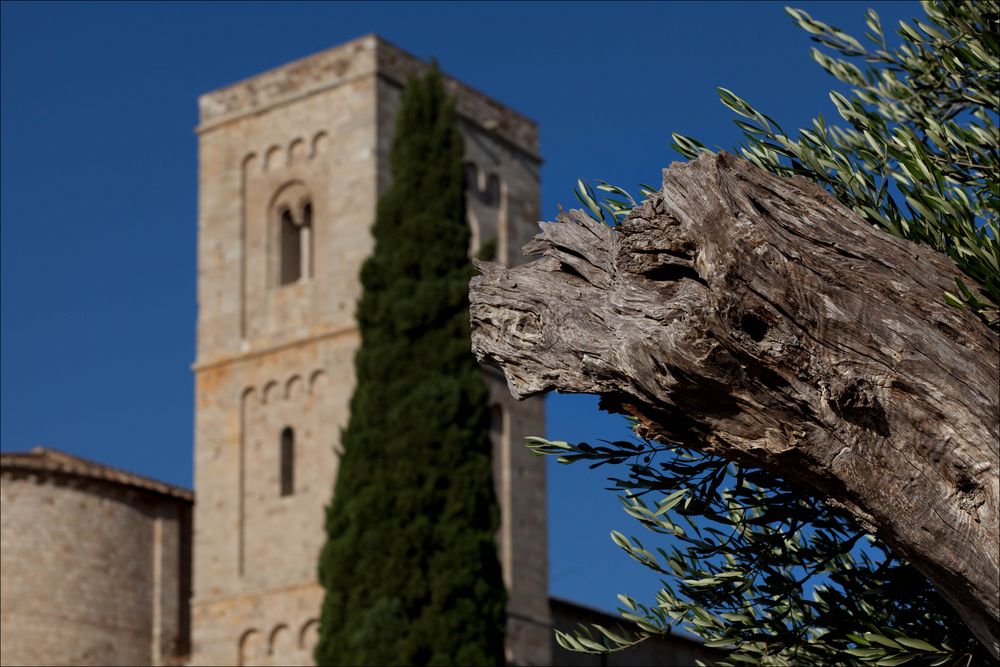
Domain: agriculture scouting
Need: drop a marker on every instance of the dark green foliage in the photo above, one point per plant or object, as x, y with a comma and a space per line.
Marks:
410, 565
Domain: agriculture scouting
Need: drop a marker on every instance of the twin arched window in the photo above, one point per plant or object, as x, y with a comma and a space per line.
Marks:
291, 236
295, 244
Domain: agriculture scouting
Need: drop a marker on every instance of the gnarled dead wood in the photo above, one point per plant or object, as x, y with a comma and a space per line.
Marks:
756, 317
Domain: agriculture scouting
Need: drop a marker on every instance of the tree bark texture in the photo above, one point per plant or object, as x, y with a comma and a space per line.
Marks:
757, 318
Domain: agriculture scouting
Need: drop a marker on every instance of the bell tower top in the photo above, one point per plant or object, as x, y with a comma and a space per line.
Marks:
366, 56
318, 129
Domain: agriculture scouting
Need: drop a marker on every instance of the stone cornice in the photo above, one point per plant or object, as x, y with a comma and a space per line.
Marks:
43, 460
269, 348
366, 56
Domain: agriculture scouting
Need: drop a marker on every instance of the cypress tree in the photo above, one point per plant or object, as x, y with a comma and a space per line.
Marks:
410, 565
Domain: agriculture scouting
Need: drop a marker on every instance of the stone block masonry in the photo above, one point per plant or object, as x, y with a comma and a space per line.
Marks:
291, 165
95, 565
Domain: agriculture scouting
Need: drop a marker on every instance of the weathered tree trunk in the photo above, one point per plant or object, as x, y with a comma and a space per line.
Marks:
757, 318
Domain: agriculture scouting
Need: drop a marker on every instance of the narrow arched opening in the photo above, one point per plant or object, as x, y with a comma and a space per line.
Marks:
287, 461
290, 249
491, 196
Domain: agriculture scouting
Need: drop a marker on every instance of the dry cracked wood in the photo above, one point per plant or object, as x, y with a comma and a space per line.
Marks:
757, 318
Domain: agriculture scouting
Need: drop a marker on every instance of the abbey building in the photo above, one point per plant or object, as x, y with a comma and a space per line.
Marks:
291, 166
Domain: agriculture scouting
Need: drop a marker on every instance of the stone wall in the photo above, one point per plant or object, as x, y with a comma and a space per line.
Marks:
343, 64
256, 550
275, 356
92, 571
96, 563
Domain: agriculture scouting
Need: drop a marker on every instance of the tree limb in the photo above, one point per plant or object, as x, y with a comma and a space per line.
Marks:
757, 318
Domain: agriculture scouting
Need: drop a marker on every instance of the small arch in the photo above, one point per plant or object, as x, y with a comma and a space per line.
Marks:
319, 141
273, 638
249, 647
248, 162
272, 157
287, 461
293, 386
308, 634
288, 195
270, 392
296, 150
316, 381
245, 637
304, 203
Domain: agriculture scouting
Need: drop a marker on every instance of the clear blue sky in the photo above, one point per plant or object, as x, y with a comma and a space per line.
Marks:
99, 188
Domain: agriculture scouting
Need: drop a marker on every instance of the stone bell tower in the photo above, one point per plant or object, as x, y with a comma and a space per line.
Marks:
291, 165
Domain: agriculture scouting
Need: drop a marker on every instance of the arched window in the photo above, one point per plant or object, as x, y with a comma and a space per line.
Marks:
287, 461
491, 196
471, 178
291, 249
292, 235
